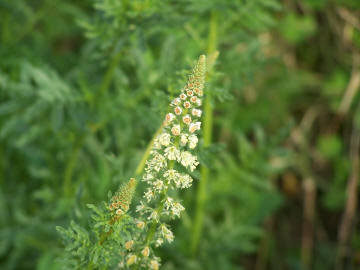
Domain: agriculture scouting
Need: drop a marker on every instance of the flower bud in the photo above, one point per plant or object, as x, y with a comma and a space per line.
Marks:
154, 265
178, 110
140, 224
187, 104
175, 130
131, 260
187, 119
129, 244
146, 251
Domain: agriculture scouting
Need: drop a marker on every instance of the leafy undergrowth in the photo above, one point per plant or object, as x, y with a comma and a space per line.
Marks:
84, 86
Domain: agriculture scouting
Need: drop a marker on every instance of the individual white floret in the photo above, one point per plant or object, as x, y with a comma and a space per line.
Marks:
183, 96
193, 99
148, 177
158, 185
193, 140
176, 102
187, 119
159, 242
176, 209
189, 93
171, 175
175, 130
156, 144
188, 160
185, 181
184, 139
157, 162
140, 207
187, 105
154, 265
177, 110
149, 194
168, 204
169, 117
165, 139
166, 233
196, 112
172, 153
154, 216
194, 127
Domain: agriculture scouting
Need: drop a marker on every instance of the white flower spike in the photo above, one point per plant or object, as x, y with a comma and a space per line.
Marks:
172, 151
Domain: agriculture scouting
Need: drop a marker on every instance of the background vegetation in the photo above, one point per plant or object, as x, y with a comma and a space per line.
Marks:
83, 88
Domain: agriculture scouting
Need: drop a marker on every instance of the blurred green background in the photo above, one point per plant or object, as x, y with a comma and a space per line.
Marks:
84, 86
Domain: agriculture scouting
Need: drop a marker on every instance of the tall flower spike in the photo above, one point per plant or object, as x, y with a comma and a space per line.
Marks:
173, 151
120, 202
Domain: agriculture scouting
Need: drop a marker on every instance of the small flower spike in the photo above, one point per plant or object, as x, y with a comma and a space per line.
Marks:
120, 202
173, 152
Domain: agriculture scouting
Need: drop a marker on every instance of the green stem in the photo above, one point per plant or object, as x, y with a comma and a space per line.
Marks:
207, 134
110, 73
145, 156
71, 166
152, 230
160, 207
89, 266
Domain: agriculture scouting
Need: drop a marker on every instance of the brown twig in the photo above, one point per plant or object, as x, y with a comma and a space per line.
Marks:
347, 221
308, 228
308, 222
350, 18
352, 87
263, 252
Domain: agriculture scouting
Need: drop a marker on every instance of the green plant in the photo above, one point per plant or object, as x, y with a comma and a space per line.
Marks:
120, 239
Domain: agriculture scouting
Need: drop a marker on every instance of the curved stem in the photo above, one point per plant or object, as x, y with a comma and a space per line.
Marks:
145, 156
207, 134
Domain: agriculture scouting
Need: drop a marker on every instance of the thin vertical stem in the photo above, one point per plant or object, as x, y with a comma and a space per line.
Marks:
110, 73
141, 165
308, 222
70, 166
349, 216
207, 135
80, 140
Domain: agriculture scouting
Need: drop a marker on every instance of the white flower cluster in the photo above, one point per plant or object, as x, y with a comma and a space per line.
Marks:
171, 153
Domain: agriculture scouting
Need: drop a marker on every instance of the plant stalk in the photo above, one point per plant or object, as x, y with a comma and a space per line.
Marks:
145, 156
207, 135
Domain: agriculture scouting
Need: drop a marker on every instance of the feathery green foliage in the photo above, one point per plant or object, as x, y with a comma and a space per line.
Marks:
84, 86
